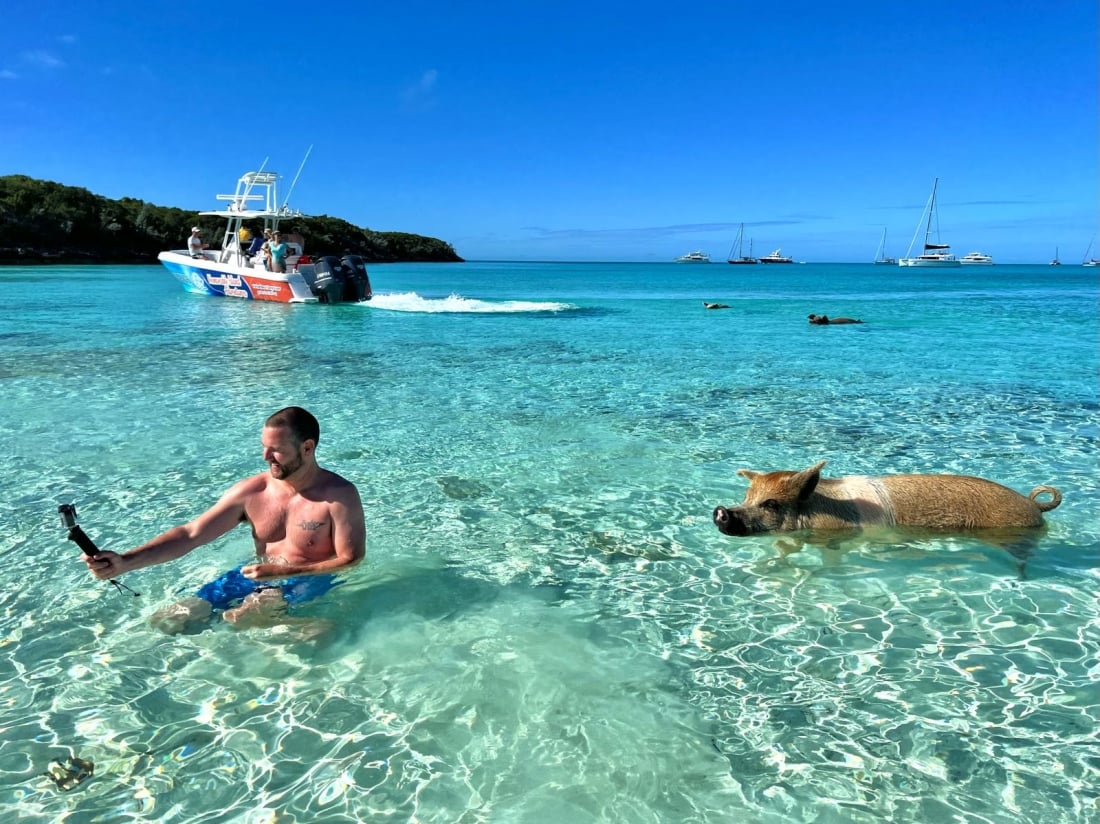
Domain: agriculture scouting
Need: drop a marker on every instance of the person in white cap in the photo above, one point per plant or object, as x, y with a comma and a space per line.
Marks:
194, 243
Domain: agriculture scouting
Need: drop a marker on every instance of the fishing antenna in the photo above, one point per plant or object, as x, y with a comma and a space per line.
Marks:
294, 182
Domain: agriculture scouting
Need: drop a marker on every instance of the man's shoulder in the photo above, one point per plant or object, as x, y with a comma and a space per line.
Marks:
336, 481
338, 488
252, 484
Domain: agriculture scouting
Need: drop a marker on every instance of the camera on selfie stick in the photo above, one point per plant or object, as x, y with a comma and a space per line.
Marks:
67, 513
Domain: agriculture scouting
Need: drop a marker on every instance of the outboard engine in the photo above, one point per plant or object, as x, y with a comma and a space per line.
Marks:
328, 279
357, 285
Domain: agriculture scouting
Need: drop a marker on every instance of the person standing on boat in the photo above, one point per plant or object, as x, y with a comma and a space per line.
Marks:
194, 243
258, 242
266, 249
307, 524
278, 252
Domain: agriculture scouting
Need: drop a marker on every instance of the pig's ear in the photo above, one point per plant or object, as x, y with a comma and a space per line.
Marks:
747, 473
805, 482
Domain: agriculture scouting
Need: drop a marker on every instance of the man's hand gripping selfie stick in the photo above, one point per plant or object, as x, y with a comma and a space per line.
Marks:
67, 513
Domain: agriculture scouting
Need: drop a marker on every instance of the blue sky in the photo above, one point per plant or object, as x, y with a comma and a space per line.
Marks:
582, 131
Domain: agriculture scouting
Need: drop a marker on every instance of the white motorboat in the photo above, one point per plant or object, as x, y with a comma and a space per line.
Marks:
976, 259
234, 271
776, 257
934, 254
694, 257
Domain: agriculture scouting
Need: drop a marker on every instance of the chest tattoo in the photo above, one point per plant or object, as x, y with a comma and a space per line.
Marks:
311, 526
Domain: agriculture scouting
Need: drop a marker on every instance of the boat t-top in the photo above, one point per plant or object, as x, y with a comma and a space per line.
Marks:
234, 271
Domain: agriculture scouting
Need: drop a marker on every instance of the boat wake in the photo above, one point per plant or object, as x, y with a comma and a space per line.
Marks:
412, 302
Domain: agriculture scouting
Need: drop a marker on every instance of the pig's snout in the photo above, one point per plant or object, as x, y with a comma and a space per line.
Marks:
728, 522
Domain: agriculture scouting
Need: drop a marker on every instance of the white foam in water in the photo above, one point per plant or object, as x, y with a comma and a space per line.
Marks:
412, 302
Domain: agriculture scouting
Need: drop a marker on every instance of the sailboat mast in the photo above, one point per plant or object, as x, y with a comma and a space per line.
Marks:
928, 208
931, 212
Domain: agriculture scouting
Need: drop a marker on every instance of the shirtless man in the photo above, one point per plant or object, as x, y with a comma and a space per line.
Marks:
307, 524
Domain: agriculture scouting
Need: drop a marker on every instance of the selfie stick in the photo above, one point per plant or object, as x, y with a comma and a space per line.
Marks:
67, 512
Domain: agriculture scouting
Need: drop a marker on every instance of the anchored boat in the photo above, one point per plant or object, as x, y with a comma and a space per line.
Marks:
777, 257
694, 257
741, 258
976, 259
935, 254
234, 271
881, 258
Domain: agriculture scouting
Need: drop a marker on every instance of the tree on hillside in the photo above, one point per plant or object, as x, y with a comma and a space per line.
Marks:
40, 219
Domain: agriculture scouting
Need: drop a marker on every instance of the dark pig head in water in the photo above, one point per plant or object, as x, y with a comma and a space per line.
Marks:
786, 501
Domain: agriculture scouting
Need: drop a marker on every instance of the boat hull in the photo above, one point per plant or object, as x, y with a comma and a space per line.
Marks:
931, 263
203, 276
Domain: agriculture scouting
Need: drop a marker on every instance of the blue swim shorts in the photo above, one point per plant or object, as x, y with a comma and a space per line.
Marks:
232, 587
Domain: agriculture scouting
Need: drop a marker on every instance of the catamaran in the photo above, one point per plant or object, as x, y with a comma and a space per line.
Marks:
934, 254
234, 271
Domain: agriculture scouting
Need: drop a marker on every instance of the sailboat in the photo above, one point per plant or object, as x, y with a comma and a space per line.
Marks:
737, 245
934, 254
880, 255
1090, 261
1056, 262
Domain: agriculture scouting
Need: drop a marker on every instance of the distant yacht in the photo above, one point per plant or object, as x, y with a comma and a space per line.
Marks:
776, 257
694, 257
880, 256
1090, 261
737, 245
1056, 262
976, 259
934, 254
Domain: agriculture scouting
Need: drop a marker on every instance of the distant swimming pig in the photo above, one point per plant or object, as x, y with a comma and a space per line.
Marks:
787, 501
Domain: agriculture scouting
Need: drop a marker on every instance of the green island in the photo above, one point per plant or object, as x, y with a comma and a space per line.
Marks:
42, 222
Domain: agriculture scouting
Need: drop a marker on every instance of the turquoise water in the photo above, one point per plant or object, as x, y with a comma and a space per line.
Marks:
548, 628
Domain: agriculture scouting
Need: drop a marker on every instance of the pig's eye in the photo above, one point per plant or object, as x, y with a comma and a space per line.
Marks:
771, 504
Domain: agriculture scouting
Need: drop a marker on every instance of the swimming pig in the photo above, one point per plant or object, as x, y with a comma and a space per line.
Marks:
788, 501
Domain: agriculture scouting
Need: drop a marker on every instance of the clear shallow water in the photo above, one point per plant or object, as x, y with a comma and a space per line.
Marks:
548, 627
